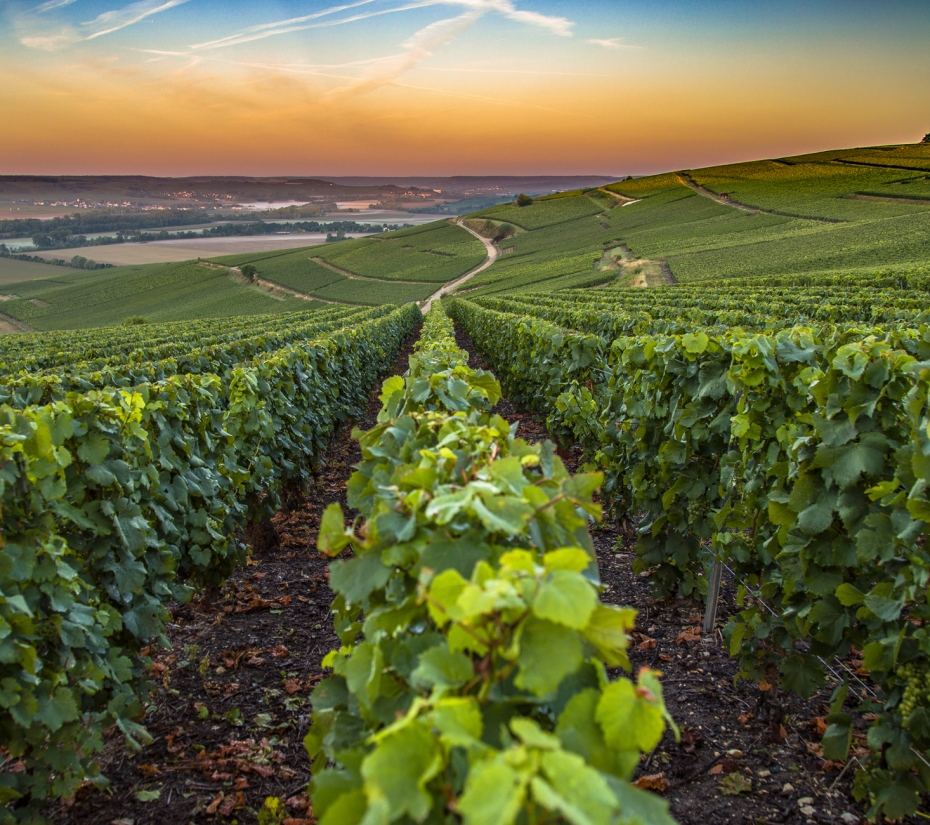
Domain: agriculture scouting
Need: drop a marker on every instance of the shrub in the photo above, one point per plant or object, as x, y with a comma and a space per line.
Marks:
524, 200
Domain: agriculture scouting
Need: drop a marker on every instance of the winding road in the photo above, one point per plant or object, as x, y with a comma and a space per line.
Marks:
493, 253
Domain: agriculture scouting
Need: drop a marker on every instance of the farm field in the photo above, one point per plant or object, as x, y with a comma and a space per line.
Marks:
13, 271
152, 252
834, 212
821, 213
157, 292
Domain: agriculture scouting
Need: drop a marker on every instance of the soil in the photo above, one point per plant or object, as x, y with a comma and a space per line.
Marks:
231, 707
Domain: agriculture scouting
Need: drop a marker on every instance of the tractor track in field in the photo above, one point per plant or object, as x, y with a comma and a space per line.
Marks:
355, 277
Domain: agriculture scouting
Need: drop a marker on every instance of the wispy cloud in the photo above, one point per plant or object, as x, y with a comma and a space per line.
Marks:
422, 45
37, 31
557, 25
112, 21
279, 27
612, 43
51, 5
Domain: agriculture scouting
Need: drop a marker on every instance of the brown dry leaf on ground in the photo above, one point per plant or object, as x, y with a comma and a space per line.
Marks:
654, 782
735, 784
298, 803
279, 652
646, 644
688, 634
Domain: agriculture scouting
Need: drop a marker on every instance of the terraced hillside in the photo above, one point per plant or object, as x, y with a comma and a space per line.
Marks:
834, 212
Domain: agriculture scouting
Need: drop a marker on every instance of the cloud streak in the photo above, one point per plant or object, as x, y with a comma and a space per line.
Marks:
39, 33
612, 43
557, 25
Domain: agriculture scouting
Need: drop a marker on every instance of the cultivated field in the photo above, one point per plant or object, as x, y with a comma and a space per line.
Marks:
185, 250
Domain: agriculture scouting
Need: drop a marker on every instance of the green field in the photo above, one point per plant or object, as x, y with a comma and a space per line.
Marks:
14, 272
821, 213
432, 253
159, 292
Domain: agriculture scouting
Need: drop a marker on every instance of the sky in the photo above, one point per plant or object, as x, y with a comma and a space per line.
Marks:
452, 87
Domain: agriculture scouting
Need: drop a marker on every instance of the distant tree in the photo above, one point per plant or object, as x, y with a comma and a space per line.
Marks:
79, 262
4, 251
926, 139
524, 200
628, 177
249, 271
505, 230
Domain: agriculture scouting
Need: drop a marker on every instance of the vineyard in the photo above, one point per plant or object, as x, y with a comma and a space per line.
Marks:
129, 478
738, 401
781, 431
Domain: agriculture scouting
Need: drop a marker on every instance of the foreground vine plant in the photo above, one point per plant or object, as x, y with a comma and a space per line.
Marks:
471, 685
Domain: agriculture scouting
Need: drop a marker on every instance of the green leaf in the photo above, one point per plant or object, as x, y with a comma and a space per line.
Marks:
444, 593
393, 384
357, 578
398, 769
534, 736
881, 602
629, 722
695, 343
444, 668
566, 598
848, 595
459, 721
837, 740
493, 794
548, 653
607, 629
148, 796
333, 536
568, 558
57, 709
582, 794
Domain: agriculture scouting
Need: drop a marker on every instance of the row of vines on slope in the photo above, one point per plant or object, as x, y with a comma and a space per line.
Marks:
115, 501
472, 685
802, 458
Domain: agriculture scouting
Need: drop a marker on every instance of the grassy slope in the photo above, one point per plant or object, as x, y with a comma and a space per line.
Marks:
425, 256
160, 292
14, 272
850, 217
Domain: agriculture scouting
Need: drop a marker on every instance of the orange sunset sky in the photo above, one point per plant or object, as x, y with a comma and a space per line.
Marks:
443, 87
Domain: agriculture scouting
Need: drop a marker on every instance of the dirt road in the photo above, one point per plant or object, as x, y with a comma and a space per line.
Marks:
493, 253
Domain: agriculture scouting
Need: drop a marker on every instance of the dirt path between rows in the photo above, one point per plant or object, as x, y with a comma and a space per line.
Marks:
270, 286
688, 181
354, 277
493, 254
10, 325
